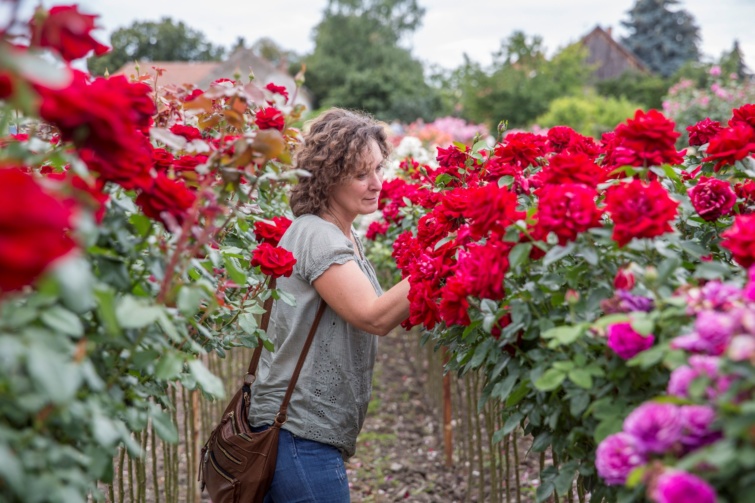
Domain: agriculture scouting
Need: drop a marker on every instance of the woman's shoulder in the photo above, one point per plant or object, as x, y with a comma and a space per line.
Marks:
309, 227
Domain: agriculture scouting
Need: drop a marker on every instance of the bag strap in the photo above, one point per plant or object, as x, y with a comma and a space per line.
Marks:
251, 373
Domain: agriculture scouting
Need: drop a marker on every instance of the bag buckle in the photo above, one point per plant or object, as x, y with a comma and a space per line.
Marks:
249, 379
280, 418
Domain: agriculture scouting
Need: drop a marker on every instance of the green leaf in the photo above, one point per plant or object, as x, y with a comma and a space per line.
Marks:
607, 427
53, 373
248, 323
519, 393
544, 491
610, 319
512, 422
234, 271
11, 470
590, 255
210, 383
565, 334
519, 254
557, 253
550, 380
563, 481
62, 320
635, 476
481, 352
581, 377
135, 313
164, 427
542, 441
169, 366
189, 300
641, 324
565, 365
106, 311
502, 389
648, 358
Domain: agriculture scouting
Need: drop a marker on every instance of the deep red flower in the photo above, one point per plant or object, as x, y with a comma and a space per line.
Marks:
193, 94
376, 228
277, 90
33, 229
162, 159
639, 210
703, 131
559, 138
451, 157
434, 226
647, 140
572, 168
166, 200
566, 210
624, 279
482, 268
67, 31
743, 115
270, 118
405, 250
495, 210
739, 239
132, 172
189, 162
6, 85
454, 306
712, 198
730, 145
188, 132
273, 260
745, 190
423, 307
521, 149
271, 233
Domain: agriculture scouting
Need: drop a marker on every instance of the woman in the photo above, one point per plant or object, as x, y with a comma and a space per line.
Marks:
345, 154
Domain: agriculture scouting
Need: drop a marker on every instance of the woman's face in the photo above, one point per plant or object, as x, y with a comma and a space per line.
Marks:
358, 194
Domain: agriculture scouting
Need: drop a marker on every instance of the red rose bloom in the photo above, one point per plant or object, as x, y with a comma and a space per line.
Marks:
132, 172
703, 131
405, 249
33, 229
166, 199
647, 140
277, 90
189, 162
86, 194
521, 149
482, 269
559, 138
745, 190
6, 85
712, 198
743, 115
624, 279
451, 157
567, 210
273, 260
639, 210
375, 229
162, 159
740, 240
188, 132
495, 210
270, 118
65, 30
266, 232
730, 145
454, 306
572, 168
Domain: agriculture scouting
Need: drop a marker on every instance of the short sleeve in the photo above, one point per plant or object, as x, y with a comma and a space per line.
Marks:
316, 245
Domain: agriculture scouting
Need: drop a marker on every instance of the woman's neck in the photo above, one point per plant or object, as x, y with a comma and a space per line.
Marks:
340, 221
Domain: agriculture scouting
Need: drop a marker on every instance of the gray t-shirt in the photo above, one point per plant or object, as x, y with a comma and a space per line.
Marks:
331, 396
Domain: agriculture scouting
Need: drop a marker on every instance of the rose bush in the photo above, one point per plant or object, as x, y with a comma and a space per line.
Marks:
589, 249
130, 215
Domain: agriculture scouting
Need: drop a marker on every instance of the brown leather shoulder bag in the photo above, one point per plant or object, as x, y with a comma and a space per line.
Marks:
238, 464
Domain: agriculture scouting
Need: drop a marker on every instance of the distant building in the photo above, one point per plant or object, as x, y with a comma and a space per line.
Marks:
202, 73
610, 58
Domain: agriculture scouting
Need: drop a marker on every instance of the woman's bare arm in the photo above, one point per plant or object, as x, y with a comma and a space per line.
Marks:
350, 294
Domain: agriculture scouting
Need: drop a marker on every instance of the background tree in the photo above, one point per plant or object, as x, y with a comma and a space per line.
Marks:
522, 81
164, 40
733, 62
358, 61
662, 38
645, 90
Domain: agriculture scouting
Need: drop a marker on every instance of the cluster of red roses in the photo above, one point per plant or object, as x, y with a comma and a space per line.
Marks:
460, 249
268, 256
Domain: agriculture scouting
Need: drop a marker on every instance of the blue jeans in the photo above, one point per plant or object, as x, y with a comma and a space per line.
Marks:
307, 472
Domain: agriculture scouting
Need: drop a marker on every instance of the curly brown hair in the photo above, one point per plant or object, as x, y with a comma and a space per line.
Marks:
334, 149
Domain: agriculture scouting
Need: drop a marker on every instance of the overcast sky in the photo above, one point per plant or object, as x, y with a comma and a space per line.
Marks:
450, 28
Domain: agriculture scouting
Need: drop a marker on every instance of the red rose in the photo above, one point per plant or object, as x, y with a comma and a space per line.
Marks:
130, 172
482, 269
375, 229
639, 210
188, 132
730, 145
423, 307
567, 210
162, 159
33, 229
740, 240
451, 157
559, 138
277, 90
572, 168
166, 199
745, 190
743, 115
647, 140
454, 306
624, 279
6, 85
405, 249
189, 162
521, 149
67, 31
703, 131
712, 198
271, 233
495, 210
273, 260
270, 118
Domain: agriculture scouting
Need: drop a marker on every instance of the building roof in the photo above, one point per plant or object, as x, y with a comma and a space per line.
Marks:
606, 37
176, 72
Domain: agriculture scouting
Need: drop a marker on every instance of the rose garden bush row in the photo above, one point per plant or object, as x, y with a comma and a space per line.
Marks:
138, 226
601, 289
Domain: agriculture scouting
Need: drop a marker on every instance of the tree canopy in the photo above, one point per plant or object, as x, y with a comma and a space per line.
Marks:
164, 40
358, 61
662, 38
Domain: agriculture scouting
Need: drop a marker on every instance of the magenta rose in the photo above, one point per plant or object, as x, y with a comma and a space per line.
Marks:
627, 343
656, 426
698, 426
616, 456
712, 198
681, 487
